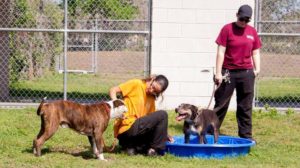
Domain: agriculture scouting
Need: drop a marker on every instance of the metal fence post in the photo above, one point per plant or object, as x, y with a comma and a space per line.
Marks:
149, 37
4, 54
65, 47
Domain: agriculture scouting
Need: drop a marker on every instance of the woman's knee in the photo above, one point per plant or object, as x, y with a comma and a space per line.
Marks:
162, 114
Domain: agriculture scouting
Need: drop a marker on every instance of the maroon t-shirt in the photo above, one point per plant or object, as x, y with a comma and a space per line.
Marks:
239, 43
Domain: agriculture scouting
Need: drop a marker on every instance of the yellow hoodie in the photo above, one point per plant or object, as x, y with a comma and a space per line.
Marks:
139, 104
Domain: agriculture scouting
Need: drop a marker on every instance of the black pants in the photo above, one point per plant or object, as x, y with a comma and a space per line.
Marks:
146, 132
243, 82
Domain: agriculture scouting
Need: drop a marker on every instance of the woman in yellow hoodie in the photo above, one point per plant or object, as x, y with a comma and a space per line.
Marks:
143, 129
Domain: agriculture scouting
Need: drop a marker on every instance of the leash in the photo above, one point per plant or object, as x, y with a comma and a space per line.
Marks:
226, 78
113, 146
212, 95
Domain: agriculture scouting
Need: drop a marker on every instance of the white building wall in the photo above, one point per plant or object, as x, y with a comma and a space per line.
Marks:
184, 49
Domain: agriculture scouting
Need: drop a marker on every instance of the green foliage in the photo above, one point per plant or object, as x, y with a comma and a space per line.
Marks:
23, 15
56, 16
290, 111
16, 63
119, 9
273, 112
270, 111
110, 9
31, 53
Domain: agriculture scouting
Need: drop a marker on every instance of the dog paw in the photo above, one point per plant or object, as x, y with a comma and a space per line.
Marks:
101, 157
105, 160
34, 151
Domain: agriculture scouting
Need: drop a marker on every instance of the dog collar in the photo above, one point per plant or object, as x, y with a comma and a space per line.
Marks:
189, 121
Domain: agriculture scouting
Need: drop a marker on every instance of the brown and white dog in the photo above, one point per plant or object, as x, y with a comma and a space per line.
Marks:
197, 121
91, 120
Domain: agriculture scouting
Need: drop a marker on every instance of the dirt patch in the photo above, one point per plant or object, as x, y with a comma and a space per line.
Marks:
133, 63
280, 65
107, 62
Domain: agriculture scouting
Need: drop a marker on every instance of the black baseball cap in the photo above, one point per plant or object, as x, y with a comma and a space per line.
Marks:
245, 11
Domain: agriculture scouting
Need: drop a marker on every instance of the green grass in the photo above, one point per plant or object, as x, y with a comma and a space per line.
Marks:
85, 83
277, 136
87, 86
279, 90
279, 87
90, 86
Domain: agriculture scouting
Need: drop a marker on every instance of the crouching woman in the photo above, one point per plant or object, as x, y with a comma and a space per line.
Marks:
143, 129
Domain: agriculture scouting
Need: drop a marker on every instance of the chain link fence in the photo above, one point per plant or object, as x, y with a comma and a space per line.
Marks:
71, 49
278, 23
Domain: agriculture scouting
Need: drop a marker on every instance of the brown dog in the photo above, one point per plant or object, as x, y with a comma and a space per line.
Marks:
197, 121
91, 120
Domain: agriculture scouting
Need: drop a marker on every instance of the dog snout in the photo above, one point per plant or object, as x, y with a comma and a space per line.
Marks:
176, 110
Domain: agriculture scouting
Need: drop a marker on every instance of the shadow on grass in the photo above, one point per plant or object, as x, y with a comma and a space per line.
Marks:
88, 154
35, 96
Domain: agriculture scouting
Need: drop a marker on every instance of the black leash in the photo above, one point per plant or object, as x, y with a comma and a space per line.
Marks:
226, 78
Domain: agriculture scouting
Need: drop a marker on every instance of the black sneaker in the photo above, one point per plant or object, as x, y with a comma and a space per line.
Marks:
253, 140
131, 151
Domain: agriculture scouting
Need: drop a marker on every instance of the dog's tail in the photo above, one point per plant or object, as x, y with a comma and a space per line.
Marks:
39, 110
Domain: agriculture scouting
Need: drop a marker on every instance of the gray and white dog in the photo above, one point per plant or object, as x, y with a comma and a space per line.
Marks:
197, 121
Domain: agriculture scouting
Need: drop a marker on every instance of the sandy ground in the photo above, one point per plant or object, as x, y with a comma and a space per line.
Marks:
128, 62
117, 62
280, 65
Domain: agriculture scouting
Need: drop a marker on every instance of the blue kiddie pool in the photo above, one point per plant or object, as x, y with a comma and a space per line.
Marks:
227, 146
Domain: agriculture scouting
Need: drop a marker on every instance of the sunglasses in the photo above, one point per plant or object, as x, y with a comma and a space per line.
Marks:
244, 19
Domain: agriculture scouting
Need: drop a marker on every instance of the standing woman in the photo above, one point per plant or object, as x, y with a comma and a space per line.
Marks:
238, 55
143, 130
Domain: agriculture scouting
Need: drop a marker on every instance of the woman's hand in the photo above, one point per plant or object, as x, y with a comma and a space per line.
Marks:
219, 63
256, 73
170, 139
113, 92
218, 79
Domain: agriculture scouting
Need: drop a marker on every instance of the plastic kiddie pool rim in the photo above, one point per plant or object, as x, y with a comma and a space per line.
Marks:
225, 143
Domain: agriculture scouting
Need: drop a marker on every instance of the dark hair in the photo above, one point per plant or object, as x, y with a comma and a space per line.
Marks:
163, 81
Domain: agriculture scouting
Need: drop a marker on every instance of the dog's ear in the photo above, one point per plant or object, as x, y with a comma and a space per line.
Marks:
117, 103
194, 109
